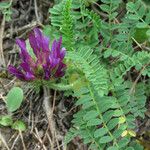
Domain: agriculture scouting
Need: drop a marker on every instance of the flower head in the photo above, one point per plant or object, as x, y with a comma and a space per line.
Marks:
48, 62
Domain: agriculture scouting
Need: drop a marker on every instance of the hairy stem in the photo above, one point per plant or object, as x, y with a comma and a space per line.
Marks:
63, 87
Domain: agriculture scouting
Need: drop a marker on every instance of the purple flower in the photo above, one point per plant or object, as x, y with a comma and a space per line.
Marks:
48, 63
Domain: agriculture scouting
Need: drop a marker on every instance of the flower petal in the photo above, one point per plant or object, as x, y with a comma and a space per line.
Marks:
53, 62
60, 70
16, 72
26, 67
43, 40
62, 53
29, 76
39, 42
53, 49
59, 44
21, 43
24, 53
56, 50
47, 73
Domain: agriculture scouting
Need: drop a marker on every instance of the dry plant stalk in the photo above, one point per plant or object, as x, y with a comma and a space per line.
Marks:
2, 59
49, 114
2, 138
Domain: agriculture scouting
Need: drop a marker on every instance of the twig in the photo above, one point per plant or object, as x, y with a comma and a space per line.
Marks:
139, 45
24, 147
137, 79
26, 27
39, 139
99, 12
50, 141
14, 142
58, 146
146, 48
36, 11
32, 123
4, 141
12, 137
2, 59
5, 90
45, 135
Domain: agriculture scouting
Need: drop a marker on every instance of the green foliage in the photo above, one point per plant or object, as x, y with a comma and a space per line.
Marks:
5, 8
147, 2
110, 57
76, 27
4, 5
138, 100
14, 99
6, 120
19, 125
101, 121
67, 26
89, 64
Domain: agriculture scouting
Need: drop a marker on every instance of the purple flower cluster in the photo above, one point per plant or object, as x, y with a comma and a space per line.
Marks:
47, 64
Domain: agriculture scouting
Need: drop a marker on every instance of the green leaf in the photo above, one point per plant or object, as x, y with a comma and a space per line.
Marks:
122, 120
105, 139
141, 25
100, 132
83, 100
137, 146
140, 35
19, 125
131, 7
113, 123
147, 2
94, 122
6, 120
123, 142
130, 148
4, 5
88, 104
133, 17
14, 99
105, 8
117, 133
148, 33
112, 148
118, 113
87, 140
91, 115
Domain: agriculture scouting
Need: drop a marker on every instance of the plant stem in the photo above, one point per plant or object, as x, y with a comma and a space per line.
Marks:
63, 87
49, 113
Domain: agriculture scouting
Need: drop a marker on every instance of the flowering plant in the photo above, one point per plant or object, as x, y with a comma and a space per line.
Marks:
47, 64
